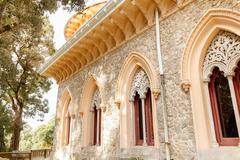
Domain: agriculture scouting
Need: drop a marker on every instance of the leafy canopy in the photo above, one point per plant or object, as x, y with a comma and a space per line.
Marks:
26, 39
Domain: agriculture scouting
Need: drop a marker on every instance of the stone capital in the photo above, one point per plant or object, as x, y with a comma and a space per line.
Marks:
118, 103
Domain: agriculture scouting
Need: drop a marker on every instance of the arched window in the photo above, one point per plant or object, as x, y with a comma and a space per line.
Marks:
223, 87
223, 111
64, 118
142, 103
96, 118
236, 82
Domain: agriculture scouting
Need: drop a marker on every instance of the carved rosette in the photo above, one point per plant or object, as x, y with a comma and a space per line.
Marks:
139, 84
223, 53
96, 100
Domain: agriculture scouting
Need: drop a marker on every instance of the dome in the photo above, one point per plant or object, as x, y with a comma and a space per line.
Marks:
78, 19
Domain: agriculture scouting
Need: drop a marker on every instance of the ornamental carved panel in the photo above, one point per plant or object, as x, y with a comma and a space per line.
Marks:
139, 84
224, 47
96, 100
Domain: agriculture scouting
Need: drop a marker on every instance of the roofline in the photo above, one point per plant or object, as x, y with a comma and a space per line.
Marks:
110, 7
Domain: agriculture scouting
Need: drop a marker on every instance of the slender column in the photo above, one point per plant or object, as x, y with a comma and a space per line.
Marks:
98, 125
91, 140
234, 101
144, 122
132, 140
210, 115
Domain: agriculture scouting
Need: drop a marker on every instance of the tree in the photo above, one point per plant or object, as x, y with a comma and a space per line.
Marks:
41, 138
43, 135
25, 41
26, 142
5, 126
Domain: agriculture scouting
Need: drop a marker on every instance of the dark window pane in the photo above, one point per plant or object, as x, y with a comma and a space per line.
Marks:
95, 126
225, 107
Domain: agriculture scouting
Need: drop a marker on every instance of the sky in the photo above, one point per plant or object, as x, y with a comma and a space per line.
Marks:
58, 20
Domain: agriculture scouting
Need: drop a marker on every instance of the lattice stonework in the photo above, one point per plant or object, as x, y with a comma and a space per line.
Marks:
96, 100
222, 50
139, 84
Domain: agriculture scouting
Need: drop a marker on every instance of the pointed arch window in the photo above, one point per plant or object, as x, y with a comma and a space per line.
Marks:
223, 87
97, 118
142, 104
223, 111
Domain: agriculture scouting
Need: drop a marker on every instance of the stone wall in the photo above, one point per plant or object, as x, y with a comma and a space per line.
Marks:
175, 31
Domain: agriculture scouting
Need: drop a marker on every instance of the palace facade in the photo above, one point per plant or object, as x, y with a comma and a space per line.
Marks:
149, 79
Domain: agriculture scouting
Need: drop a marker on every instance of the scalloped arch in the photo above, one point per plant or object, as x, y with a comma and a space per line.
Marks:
194, 54
202, 35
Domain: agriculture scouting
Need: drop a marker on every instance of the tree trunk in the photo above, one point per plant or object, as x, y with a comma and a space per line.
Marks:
2, 143
16, 128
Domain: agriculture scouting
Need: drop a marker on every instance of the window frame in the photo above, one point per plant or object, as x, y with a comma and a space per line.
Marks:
222, 141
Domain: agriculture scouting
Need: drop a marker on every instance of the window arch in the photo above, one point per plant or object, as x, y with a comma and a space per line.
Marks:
137, 77
142, 106
91, 109
65, 119
193, 80
223, 111
96, 114
223, 87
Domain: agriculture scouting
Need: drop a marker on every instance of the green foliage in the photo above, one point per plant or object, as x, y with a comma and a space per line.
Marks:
5, 127
41, 138
26, 141
26, 39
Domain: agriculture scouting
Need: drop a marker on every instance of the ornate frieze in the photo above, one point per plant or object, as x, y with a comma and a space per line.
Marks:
222, 52
139, 84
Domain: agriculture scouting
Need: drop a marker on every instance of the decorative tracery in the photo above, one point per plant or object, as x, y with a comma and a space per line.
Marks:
139, 84
140, 96
220, 74
221, 51
96, 100
96, 120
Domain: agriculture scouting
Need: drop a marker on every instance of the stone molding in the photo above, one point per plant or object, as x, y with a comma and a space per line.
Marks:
92, 94
137, 74
211, 23
224, 53
209, 26
133, 62
62, 111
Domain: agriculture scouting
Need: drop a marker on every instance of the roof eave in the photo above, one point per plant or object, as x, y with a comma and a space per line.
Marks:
110, 7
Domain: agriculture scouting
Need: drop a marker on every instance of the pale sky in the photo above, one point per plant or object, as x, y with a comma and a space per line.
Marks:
58, 20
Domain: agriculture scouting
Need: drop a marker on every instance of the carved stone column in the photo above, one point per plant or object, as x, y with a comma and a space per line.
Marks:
144, 121
234, 101
210, 115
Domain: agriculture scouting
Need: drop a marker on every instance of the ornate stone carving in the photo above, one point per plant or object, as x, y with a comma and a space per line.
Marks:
96, 100
220, 53
139, 84
117, 103
185, 86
